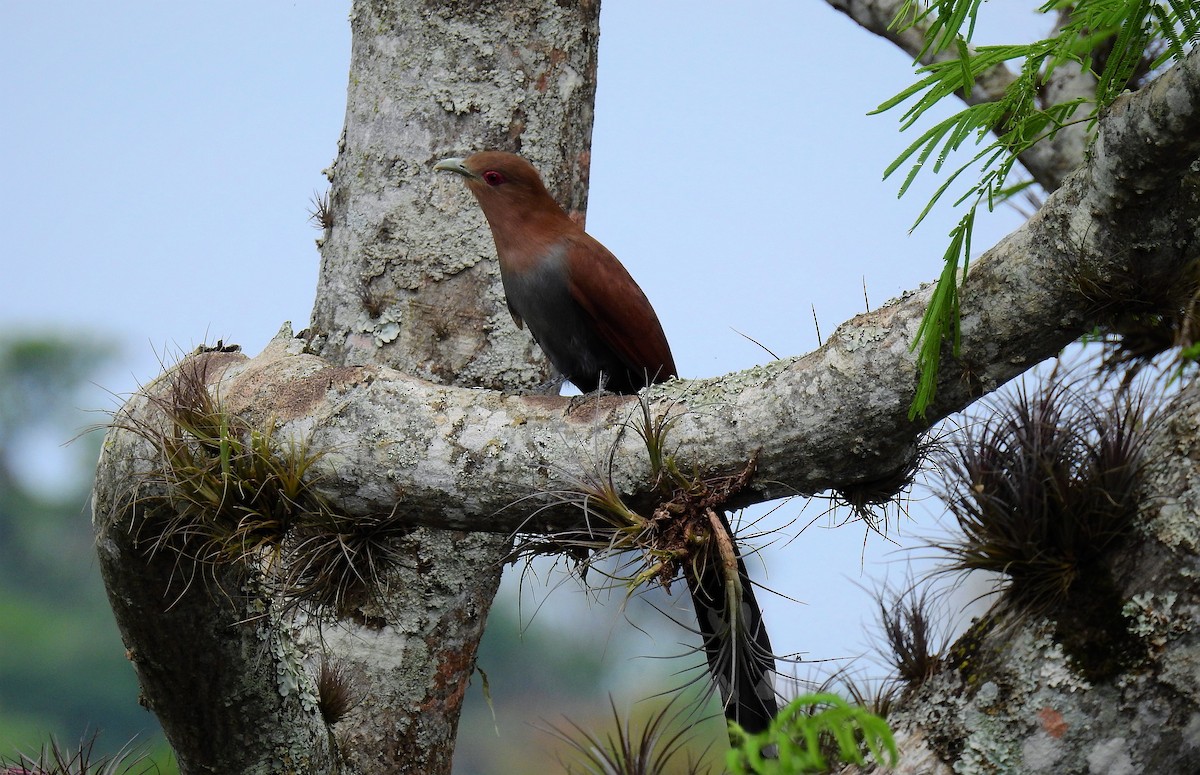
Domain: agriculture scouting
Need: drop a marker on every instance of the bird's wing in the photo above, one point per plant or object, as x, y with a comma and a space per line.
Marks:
622, 314
516, 318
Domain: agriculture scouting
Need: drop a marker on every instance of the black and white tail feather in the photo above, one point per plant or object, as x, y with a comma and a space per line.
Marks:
733, 634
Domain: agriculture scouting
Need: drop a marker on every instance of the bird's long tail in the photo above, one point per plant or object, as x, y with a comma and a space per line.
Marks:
731, 625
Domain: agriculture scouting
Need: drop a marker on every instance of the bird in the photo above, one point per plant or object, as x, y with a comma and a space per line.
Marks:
581, 305
599, 331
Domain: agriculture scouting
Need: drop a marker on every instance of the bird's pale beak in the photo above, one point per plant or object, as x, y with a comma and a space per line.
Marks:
454, 165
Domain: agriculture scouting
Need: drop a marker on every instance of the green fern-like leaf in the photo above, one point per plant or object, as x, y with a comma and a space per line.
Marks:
812, 734
1120, 41
941, 318
946, 19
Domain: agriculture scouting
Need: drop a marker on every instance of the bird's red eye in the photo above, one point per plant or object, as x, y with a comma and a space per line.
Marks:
493, 178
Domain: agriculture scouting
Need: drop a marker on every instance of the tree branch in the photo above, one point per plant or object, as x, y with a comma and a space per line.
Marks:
469, 459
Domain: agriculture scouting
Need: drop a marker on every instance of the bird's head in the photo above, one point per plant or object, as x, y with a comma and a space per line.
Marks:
505, 184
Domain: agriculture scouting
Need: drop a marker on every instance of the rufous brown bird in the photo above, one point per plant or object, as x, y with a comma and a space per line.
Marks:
599, 331
583, 309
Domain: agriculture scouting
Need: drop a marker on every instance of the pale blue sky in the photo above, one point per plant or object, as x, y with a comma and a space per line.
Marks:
159, 159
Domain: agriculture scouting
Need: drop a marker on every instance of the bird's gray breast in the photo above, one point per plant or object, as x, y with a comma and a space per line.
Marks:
539, 294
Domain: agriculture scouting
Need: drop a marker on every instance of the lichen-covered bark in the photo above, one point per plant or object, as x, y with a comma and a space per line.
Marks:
1012, 700
219, 670
408, 276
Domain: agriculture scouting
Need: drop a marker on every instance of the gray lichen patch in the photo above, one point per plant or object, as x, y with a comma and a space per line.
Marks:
1175, 523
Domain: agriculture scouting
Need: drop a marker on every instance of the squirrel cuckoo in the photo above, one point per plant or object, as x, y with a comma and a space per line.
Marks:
582, 307
599, 331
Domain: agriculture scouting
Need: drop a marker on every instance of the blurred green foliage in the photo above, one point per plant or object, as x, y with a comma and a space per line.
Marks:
63, 672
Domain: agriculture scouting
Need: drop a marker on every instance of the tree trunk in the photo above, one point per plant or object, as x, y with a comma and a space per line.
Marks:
408, 281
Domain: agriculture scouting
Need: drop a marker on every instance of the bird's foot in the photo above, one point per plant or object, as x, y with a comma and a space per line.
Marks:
552, 386
549, 387
583, 400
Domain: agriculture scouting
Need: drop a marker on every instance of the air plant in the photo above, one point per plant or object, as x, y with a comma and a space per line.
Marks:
55, 759
654, 750
375, 302
336, 692
877, 696
909, 630
320, 215
1044, 489
228, 494
871, 501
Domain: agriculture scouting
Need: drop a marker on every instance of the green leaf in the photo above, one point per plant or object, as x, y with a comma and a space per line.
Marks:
940, 322
903, 96
795, 737
964, 59
1126, 36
